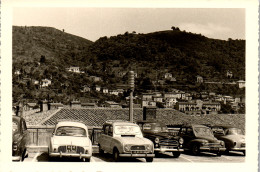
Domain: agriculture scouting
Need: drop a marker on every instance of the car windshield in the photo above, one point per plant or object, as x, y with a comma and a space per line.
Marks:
15, 127
233, 131
203, 131
160, 128
127, 130
70, 131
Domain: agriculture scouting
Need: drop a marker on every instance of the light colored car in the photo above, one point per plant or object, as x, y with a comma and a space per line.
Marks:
70, 139
233, 137
125, 139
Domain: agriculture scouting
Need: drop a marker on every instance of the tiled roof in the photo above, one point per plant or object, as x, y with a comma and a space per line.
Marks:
92, 117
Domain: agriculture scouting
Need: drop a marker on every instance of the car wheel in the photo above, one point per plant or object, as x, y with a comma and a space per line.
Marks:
227, 151
219, 153
86, 159
101, 151
149, 159
116, 155
195, 149
157, 154
176, 154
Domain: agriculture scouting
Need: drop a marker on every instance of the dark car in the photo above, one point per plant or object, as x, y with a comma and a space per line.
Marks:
233, 137
20, 138
163, 140
200, 138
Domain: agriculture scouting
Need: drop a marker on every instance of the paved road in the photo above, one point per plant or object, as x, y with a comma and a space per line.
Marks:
166, 157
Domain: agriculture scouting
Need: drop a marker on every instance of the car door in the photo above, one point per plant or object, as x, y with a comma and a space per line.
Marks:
24, 134
103, 140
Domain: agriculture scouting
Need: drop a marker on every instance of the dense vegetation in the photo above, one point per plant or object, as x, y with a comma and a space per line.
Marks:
43, 52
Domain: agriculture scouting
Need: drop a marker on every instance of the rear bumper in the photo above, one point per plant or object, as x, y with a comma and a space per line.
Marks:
16, 158
139, 155
70, 155
168, 150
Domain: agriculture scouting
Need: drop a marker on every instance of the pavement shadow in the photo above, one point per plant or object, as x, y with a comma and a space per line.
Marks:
109, 158
202, 154
233, 153
44, 157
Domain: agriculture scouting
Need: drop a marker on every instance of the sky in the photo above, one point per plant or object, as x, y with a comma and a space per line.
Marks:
93, 23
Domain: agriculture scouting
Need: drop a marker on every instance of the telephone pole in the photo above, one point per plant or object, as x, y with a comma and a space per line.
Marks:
131, 84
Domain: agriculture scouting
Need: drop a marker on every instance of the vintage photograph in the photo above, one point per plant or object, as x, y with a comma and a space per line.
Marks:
129, 85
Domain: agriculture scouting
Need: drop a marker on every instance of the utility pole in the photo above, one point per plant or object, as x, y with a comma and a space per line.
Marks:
131, 84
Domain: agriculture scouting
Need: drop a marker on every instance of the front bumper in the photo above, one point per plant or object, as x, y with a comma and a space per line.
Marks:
69, 155
238, 149
212, 149
137, 155
162, 149
16, 158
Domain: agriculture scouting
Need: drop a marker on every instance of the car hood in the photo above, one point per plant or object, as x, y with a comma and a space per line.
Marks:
161, 135
133, 140
236, 138
208, 138
70, 140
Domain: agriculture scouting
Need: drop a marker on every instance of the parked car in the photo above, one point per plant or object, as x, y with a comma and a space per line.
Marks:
162, 139
233, 137
20, 139
199, 138
70, 139
125, 139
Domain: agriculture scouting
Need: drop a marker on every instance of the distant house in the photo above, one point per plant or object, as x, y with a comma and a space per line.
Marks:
17, 72
158, 99
89, 105
172, 95
86, 89
95, 78
55, 106
241, 84
29, 106
199, 79
97, 88
73, 69
113, 92
170, 102
105, 90
120, 91
167, 76
147, 96
229, 74
148, 103
45, 82
112, 104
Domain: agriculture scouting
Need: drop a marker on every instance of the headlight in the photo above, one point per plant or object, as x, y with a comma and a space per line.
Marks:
127, 147
235, 143
15, 146
181, 141
148, 147
222, 143
204, 143
157, 140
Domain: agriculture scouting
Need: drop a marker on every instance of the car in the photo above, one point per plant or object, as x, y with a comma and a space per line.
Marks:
233, 137
162, 139
125, 139
20, 139
70, 139
199, 138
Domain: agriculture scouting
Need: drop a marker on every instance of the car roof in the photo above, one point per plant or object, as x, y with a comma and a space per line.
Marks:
149, 121
119, 122
224, 126
71, 123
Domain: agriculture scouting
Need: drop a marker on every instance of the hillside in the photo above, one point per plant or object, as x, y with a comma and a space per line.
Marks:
45, 52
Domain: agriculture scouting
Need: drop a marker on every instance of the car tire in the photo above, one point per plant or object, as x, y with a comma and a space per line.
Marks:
219, 154
149, 159
227, 151
116, 155
176, 154
157, 154
86, 159
195, 149
101, 151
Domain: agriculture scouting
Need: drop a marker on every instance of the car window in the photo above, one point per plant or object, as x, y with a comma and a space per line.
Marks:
234, 131
15, 126
203, 131
218, 131
106, 129
127, 130
147, 127
71, 131
110, 130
